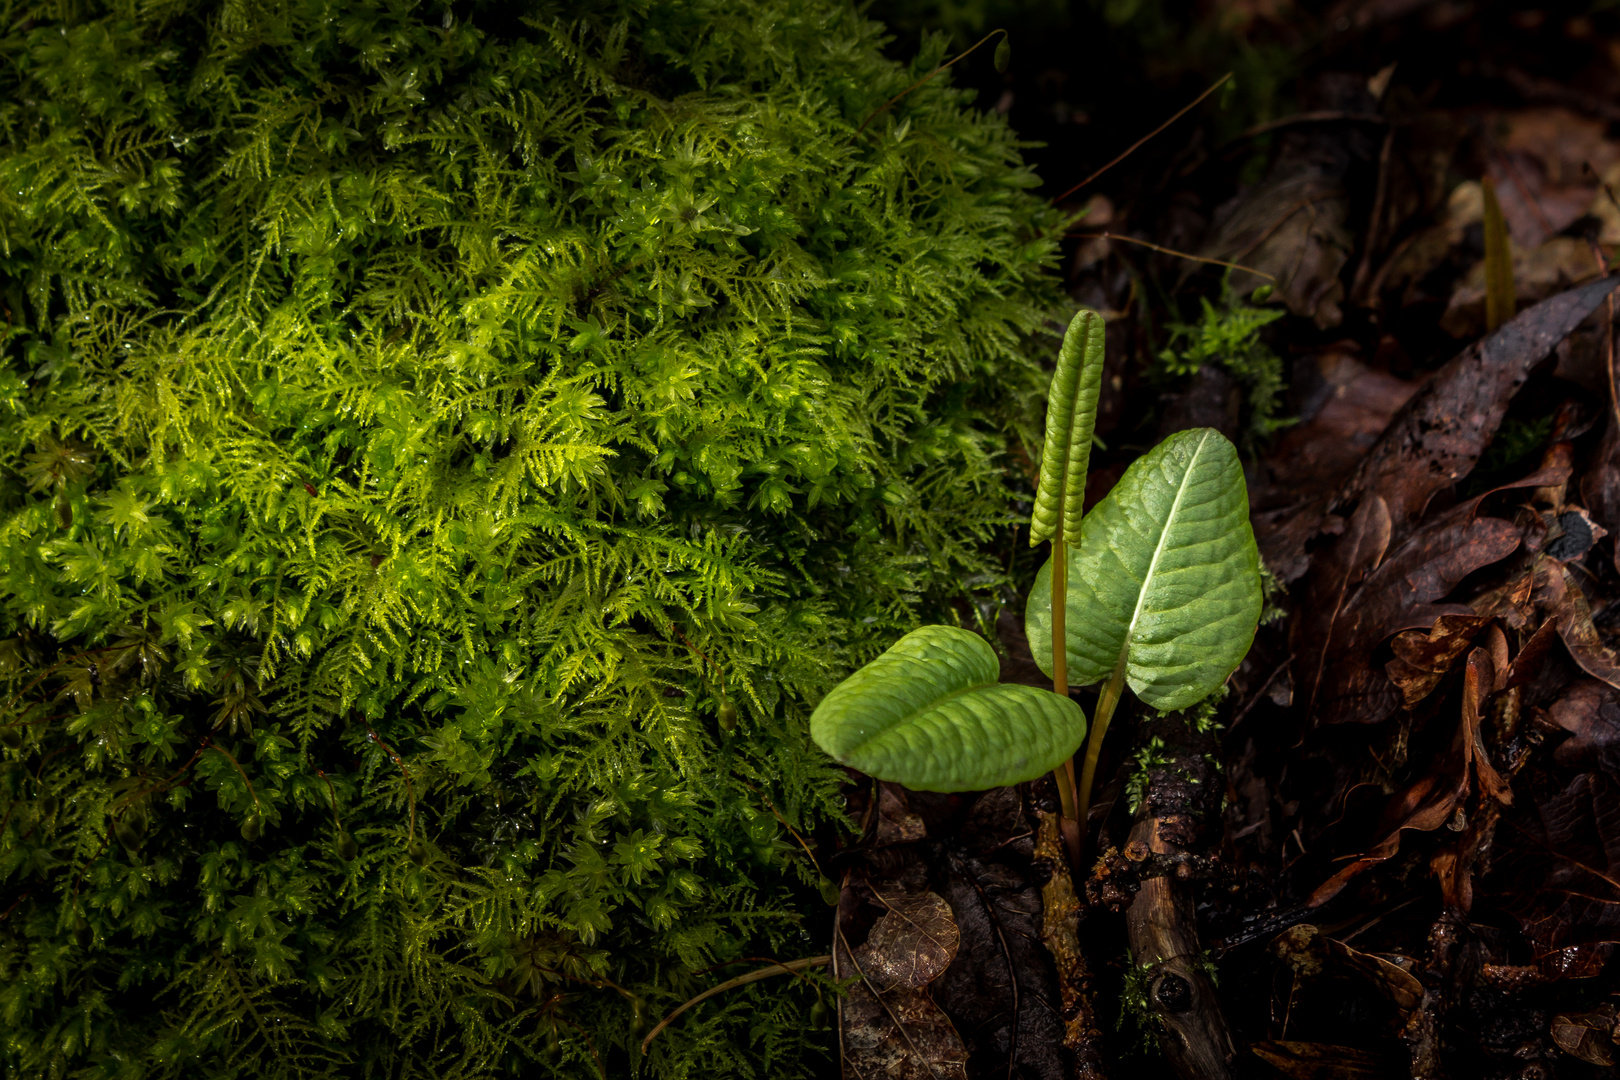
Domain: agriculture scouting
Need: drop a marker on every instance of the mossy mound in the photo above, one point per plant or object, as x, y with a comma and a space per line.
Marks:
415, 422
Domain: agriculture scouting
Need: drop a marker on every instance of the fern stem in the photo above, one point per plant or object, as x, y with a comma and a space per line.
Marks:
1064, 775
1068, 818
1099, 728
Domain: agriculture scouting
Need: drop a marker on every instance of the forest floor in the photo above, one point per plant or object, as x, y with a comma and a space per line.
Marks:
1394, 850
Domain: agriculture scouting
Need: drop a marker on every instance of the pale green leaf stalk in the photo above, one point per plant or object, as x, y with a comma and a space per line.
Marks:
929, 714
1071, 421
1164, 588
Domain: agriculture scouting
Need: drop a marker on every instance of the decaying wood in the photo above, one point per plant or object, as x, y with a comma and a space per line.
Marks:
1060, 923
1161, 922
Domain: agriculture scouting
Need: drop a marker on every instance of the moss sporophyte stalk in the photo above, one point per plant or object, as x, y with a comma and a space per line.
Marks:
445, 452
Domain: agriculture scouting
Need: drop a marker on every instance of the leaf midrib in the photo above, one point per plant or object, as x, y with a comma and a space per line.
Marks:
1158, 550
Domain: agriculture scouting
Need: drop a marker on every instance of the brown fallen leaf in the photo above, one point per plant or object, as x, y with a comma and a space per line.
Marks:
1430, 801
1559, 876
1422, 660
1568, 604
1390, 974
1480, 680
911, 945
1340, 624
897, 823
1454, 864
1344, 685
1528, 660
1541, 169
1014, 1012
1337, 573
888, 1025
1348, 405
1590, 1036
1291, 225
1590, 711
1438, 437
1323, 1061
1535, 273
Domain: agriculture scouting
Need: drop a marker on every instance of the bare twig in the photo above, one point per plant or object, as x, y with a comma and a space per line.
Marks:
1169, 251
790, 967
1133, 147
1319, 116
959, 56
1375, 219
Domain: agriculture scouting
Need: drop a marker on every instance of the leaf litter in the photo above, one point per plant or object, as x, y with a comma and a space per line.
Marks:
1412, 865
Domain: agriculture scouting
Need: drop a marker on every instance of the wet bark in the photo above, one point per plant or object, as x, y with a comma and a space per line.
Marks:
1181, 800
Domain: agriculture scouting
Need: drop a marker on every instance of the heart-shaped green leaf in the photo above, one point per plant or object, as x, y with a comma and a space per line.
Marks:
1071, 418
1166, 573
929, 714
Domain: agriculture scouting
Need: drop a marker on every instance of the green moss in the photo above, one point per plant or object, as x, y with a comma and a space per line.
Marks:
414, 422
1229, 335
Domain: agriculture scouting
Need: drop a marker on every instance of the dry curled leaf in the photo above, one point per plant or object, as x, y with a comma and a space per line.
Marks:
1430, 801
1323, 1061
1590, 711
1390, 973
1560, 871
889, 1026
1422, 660
1439, 435
1001, 991
1590, 1036
1567, 602
911, 945
1401, 592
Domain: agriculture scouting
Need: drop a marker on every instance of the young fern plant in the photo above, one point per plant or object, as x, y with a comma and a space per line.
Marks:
1161, 581
1071, 424
1161, 591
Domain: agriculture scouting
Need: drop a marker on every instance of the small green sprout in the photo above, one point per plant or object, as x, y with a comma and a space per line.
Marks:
1161, 591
